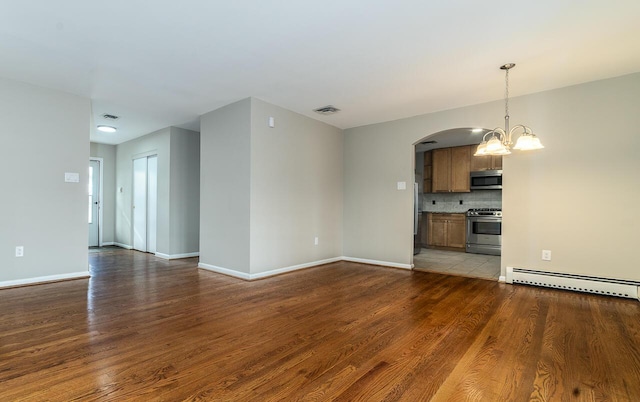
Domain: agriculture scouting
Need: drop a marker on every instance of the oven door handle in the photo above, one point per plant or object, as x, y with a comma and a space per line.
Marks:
484, 219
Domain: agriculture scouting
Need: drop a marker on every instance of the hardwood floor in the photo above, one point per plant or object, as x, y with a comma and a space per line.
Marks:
147, 329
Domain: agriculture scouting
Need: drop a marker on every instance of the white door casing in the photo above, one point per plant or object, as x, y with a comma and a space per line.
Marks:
152, 202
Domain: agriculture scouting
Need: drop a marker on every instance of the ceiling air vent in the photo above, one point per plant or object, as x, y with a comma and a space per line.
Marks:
110, 116
329, 109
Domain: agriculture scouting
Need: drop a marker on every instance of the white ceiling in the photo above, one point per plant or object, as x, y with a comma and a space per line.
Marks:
160, 63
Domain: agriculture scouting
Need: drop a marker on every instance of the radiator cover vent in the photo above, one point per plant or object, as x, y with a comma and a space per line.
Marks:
577, 283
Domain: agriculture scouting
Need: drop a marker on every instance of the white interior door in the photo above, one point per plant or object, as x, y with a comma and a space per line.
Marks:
139, 206
145, 203
152, 202
94, 203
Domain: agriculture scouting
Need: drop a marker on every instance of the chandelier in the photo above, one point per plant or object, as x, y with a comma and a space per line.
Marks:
500, 140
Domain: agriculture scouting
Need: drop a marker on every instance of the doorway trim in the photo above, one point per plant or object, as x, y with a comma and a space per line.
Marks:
100, 205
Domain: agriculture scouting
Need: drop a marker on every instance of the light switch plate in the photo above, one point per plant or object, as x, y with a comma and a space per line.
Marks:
402, 185
546, 255
72, 177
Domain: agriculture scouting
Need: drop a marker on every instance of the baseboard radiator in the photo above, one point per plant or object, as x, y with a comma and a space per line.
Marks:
577, 283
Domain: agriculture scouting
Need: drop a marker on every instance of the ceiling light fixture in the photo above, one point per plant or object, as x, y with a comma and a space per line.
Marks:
501, 140
107, 129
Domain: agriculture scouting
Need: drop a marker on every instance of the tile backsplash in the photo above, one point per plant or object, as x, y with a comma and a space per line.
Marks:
450, 202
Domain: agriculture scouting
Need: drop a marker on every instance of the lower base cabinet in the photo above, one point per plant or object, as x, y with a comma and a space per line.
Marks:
446, 231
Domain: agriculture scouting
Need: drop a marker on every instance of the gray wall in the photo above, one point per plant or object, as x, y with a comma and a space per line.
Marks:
551, 198
225, 171
44, 134
108, 155
266, 193
579, 196
296, 189
185, 191
157, 143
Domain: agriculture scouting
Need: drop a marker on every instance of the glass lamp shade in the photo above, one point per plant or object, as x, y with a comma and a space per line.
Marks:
482, 149
494, 144
528, 142
496, 147
536, 143
503, 151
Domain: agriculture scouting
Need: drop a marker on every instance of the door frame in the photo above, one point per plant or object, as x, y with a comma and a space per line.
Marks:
100, 205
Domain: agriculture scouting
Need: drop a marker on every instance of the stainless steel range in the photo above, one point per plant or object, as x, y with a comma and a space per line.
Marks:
484, 231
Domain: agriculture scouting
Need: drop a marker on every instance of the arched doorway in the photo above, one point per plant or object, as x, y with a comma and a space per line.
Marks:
444, 236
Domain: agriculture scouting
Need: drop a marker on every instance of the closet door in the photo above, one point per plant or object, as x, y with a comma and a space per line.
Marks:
139, 206
145, 203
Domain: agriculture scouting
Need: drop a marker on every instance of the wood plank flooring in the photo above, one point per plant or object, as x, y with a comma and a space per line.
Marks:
147, 329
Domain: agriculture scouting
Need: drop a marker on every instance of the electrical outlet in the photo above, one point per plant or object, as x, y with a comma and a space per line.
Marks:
546, 255
315, 241
460, 202
19, 251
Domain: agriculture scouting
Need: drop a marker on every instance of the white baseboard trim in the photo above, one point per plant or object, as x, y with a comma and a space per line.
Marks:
374, 262
44, 279
126, 246
108, 243
279, 271
502, 279
176, 256
225, 271
265, 274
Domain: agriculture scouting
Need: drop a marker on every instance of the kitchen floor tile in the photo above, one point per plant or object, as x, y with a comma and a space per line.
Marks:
458, 263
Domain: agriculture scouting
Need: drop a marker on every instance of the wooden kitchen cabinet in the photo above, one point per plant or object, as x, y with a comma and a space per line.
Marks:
451, 168
428, 166
485, 162
446, 231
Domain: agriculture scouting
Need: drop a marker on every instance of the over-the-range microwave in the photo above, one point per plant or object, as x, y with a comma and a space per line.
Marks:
486, 180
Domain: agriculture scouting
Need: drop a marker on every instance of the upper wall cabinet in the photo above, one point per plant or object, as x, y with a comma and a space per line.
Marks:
451, 169
427, 172
486, 162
